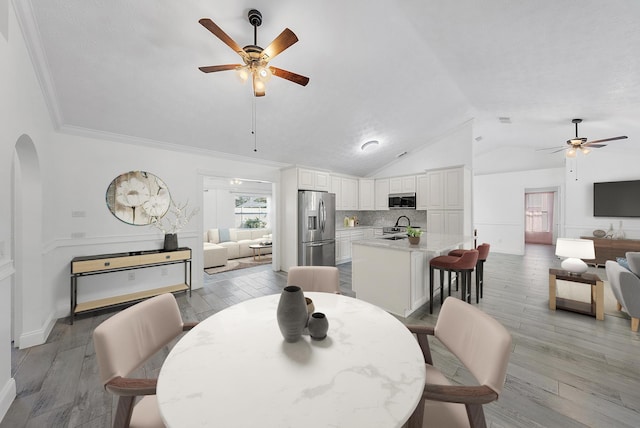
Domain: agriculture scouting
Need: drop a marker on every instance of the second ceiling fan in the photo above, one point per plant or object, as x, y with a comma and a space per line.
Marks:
581, 144
255, 58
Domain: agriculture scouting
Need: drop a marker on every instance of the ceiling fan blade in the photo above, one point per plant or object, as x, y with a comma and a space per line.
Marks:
214, 68
606, 139
293, 77
279, 44
549, 148
559, 150
217, 31
596, 146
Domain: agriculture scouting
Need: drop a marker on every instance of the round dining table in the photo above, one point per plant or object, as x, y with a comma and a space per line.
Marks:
234, 369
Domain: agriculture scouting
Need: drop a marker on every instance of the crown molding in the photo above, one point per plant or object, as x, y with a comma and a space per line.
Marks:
146, 142
33, 42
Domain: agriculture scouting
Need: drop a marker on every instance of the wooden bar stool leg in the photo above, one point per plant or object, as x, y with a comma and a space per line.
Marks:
481, 270
430, 289
449, 272
441, 287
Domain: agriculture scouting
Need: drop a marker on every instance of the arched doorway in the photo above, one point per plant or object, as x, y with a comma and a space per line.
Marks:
27, 298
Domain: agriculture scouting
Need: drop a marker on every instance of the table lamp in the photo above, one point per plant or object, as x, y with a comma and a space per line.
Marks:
574, 250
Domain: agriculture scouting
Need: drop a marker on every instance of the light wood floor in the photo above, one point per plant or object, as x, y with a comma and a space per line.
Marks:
566, 369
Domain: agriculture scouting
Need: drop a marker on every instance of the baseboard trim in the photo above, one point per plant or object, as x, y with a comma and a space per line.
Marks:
37, 337
7, 395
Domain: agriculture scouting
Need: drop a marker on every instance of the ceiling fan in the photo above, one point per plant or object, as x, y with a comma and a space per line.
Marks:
254, 57
581, 143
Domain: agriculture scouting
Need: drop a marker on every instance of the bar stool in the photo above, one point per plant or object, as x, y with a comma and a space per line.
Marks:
483, 253
462, 266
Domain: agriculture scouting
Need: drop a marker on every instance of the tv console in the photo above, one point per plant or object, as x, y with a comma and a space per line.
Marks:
610, 249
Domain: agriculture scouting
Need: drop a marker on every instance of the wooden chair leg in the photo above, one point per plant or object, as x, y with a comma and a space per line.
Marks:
449, 283
481, 268
635, 323
415, 421
476, 416
122, 418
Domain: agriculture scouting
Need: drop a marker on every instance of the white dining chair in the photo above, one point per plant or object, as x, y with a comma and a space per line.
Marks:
315, 278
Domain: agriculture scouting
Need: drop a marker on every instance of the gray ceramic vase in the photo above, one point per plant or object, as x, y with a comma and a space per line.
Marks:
170, 241
318, 326
292, 313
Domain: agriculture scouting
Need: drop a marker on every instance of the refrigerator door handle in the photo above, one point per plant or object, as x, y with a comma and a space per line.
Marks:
323, 216
316, 244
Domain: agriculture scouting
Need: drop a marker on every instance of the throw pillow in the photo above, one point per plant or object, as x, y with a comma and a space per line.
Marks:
224, 235
623, 262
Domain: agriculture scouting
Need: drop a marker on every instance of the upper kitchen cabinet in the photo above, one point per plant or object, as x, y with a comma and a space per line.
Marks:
382, 194
405, 184
313, 180
346, 190
366, 194
446, 189
422, 192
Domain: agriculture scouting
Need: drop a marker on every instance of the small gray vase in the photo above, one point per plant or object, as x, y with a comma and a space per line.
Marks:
318, 326
170, 241
292, 313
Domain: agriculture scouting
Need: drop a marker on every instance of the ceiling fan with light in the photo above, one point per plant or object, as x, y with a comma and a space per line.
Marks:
581, 144
255, 58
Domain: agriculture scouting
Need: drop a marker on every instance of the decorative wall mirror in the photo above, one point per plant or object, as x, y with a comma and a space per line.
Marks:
138, 198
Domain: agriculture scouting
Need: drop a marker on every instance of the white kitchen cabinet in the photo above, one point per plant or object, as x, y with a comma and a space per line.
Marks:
382, 194
345, 237
366, 194
445, 221
446, 189
313, 180
422, 192
336, 187
349, 189
406, 184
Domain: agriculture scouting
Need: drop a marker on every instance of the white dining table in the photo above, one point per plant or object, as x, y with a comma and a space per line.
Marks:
234, 369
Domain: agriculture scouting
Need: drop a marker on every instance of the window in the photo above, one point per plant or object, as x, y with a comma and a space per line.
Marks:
251, 211
539, 212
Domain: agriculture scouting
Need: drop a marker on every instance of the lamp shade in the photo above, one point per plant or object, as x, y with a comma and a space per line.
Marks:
574, 250
577, 248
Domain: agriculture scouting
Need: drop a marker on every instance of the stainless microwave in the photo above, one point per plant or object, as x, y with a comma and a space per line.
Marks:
402, 201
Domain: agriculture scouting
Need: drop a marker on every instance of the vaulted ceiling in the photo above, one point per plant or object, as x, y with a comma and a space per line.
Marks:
402, 72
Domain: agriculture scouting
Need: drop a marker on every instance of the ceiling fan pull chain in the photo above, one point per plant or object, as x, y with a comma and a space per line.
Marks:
254, 132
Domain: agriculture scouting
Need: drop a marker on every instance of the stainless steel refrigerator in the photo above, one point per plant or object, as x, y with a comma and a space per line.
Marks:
316, 228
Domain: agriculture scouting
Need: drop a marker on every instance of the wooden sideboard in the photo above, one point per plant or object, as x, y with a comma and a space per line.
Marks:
609, 249
106, 263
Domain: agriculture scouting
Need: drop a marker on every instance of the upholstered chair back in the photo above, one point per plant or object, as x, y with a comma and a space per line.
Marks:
481, 343
127, 339
483, 251
315, 278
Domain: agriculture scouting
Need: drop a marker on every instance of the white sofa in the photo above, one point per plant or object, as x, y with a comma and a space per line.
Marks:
217, 251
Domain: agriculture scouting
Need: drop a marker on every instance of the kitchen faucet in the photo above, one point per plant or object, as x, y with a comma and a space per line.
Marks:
398, 220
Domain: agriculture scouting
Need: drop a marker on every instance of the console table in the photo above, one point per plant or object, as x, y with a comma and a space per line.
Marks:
107, 263
609, 249
595, 307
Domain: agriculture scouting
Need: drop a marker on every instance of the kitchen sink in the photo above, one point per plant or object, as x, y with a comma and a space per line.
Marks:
394, 237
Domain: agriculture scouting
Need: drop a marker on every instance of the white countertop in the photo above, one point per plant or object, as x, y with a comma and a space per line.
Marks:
234, 369
429, 242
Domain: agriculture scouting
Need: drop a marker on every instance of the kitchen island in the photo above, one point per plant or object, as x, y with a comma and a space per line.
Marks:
393, 274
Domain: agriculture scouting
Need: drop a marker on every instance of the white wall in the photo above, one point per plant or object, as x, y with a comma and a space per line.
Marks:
498, 201
453, 149
605, 164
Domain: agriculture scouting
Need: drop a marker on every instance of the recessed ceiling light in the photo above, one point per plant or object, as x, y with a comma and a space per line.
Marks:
370, 145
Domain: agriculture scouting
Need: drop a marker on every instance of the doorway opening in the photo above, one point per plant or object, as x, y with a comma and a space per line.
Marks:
540, 217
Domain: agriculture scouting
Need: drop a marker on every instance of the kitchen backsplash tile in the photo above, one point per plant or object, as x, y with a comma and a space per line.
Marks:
384, 218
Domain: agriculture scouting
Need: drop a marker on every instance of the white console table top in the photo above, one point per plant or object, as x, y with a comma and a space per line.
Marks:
234, 369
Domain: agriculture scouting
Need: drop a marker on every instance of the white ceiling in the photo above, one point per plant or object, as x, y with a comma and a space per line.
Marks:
403, 72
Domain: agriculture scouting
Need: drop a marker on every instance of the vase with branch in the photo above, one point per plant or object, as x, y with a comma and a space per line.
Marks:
171, 223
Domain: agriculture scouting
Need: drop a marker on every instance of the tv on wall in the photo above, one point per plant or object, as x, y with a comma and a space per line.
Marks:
616, 199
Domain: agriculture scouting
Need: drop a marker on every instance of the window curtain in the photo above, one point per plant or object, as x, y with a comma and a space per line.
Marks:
539, 218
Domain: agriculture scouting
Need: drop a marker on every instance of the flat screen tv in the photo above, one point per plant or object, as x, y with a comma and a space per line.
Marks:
616, 199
